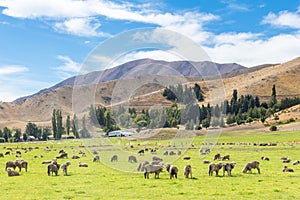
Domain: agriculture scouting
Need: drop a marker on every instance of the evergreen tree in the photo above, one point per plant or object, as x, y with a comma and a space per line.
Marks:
198, 92
75, 126
54, 127
68, 124
7, 133
17, 135
32, 130
273, 100
59, 124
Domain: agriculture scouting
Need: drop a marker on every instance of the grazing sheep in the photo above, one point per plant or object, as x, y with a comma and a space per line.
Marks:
217, 157
46, 162
12, 172
296, 162
173, 170
114, 158
155, 158
214, 167
284, 158
187, 171
75, 157
227, 167
153, 151
172, 153
82, 164
141, 152
265, 158
226, 157
287, 169
62, 155
286, 161
21, 164
178, 152
187, 158
142, 165
251, 165
1, 155
10, 164
64, 167
18, 152
166, 153
96, 159
7, 153
52, 168
61, 151
95, 152
132, 159
206, 161
149, 169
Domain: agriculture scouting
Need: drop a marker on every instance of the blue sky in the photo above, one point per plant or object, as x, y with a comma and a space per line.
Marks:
43, 42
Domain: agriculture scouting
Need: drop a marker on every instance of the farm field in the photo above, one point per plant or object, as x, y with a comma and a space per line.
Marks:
100, 181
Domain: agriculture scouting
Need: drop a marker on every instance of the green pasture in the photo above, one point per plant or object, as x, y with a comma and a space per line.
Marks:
104, 181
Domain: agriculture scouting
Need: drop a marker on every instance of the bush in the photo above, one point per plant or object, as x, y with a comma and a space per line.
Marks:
273, 128
291, 120
2, 140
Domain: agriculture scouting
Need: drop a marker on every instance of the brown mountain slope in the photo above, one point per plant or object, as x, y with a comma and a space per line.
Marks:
145, 92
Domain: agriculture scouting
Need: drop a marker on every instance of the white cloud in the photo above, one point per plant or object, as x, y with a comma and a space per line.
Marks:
68, 68
70, 13
12, 69
80, 27
283, 19
252, 51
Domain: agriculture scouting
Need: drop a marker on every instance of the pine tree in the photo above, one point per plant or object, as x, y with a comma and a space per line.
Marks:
273, 100
75, 126
54, 127
68, 124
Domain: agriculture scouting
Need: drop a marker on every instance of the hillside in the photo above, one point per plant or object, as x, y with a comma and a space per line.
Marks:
256, 81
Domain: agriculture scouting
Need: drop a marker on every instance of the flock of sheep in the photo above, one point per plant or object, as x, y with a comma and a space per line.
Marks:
155, 166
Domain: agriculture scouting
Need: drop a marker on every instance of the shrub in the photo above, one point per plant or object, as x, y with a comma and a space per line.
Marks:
2, 140
273, 128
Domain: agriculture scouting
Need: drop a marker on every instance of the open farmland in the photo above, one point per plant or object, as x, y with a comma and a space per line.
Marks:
99, 181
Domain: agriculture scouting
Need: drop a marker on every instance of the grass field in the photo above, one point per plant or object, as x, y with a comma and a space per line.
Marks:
100, 181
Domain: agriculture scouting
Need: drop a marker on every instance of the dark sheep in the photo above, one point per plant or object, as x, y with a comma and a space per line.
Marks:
265, 158
12, 172
132, 159
251, 165
149, 169
75, 157
7, 153
172, 153
96, 159
214, 167
62, 155
155, 158
217, 157
206, 161
286, 161
46, 162
173, 170
82, 164
287, 169
142, 165
187, 158
52, 168
166, 153
114, 158
178, 152
10, 164
61, 151
153, 151
227, 167
187, 171
21, 164
1, 155
226, 157
141, 152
